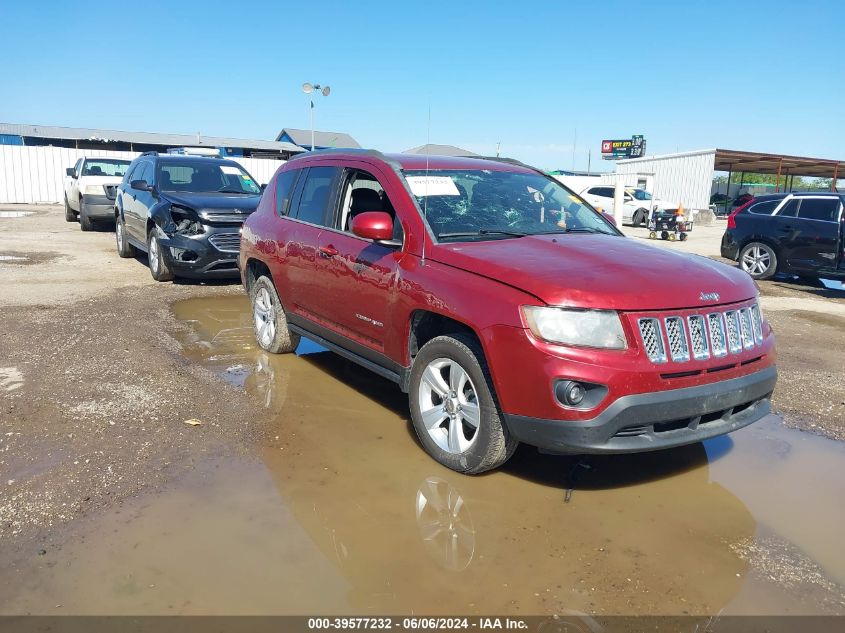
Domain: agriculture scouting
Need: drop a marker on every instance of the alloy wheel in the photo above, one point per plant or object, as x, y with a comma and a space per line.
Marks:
449, 406
154, 255
756, 260
263, 315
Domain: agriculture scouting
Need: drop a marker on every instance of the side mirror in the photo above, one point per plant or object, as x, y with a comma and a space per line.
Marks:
373, 225
609, 217
69, 171
141, 185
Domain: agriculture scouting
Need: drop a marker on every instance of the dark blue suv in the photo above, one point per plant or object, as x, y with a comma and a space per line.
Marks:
185, 212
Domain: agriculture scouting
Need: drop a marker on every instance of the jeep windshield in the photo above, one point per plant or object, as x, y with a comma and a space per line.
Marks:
481, 204
639, 194
204, 176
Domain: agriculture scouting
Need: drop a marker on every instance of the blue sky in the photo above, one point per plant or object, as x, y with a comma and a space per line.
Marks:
764, 76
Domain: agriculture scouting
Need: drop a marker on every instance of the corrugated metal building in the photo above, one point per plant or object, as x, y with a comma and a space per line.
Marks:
120, 141
685, 178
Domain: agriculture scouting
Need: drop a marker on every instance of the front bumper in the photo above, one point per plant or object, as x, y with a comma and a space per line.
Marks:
197, 257
97, 207
652, 421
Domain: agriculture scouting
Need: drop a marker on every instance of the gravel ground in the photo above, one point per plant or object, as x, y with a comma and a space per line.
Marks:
94, 392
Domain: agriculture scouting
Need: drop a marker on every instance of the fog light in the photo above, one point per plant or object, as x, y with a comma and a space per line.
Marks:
574, 393
579, 395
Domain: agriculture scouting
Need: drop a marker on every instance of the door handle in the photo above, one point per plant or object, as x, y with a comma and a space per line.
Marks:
328, 251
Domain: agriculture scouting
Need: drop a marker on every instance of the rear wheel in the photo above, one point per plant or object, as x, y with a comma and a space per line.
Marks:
124, 248
268, 316
453, 406
159, 268
758, 260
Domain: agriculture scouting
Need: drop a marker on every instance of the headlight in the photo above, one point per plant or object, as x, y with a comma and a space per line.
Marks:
584, 328
97, 190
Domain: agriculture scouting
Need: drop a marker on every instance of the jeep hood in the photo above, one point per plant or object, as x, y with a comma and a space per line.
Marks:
599, 271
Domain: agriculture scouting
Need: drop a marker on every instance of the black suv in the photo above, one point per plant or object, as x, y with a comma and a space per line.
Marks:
798, 233
186, 212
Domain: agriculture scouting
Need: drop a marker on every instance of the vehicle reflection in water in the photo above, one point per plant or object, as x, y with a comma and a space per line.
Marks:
645, 533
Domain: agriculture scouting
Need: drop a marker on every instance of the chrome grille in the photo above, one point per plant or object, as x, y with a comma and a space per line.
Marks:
652, 340
230, 242
757, 320
717, 334
746, 328
698, 337
734, 341
677, 339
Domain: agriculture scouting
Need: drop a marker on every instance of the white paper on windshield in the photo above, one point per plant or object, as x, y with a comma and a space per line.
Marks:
230, 170
432, 186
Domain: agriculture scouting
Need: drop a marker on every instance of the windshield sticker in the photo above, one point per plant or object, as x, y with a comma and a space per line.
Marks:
432, 186
230, 170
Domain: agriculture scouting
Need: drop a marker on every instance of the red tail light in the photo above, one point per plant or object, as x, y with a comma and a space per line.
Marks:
732, 216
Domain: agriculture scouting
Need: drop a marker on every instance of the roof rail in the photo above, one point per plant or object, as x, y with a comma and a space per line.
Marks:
150, 154
503, 159
354, 151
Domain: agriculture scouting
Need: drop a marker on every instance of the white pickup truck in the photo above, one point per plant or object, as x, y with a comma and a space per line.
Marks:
90, 188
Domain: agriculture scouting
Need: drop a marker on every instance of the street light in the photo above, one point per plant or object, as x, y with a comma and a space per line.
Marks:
308, 89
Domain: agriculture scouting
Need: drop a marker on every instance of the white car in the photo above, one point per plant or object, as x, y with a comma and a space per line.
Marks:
636, 208
90, 189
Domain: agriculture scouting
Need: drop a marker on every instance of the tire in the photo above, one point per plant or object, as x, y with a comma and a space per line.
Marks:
759, 260
441, 419
159, 268
639, 218
124, 248
652, 235
269, 320
70, 214
664, 235
85, 222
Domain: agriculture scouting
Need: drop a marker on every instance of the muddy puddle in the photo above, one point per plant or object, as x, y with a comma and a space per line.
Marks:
340, 511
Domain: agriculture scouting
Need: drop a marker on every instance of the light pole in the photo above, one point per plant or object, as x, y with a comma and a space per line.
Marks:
308, 89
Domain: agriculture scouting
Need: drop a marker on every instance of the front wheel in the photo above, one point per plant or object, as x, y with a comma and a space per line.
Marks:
159, 268
268, 316
639, 218
85, 222
453, 406
758, 260
70, 214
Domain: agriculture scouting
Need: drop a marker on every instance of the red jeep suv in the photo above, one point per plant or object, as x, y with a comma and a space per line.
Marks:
505, 306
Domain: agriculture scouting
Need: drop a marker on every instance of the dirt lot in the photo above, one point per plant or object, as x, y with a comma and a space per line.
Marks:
304, 484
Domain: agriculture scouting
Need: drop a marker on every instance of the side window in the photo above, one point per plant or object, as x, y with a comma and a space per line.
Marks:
361, 193
284, 190
316, 195
607, 192
826, 209
129, 177
764, 208
790, 209
145, 172
595, 191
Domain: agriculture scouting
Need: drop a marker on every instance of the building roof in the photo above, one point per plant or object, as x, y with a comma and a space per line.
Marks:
760, 163
321, 139
439, 150
149, 138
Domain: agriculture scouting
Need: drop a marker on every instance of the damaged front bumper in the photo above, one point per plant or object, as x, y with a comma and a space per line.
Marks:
209, 255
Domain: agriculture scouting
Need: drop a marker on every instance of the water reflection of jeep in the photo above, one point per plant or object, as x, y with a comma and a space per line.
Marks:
408, 534
506, 308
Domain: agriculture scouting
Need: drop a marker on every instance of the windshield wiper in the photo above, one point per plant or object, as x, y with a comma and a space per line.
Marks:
225, 190
583, 229
482, 232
